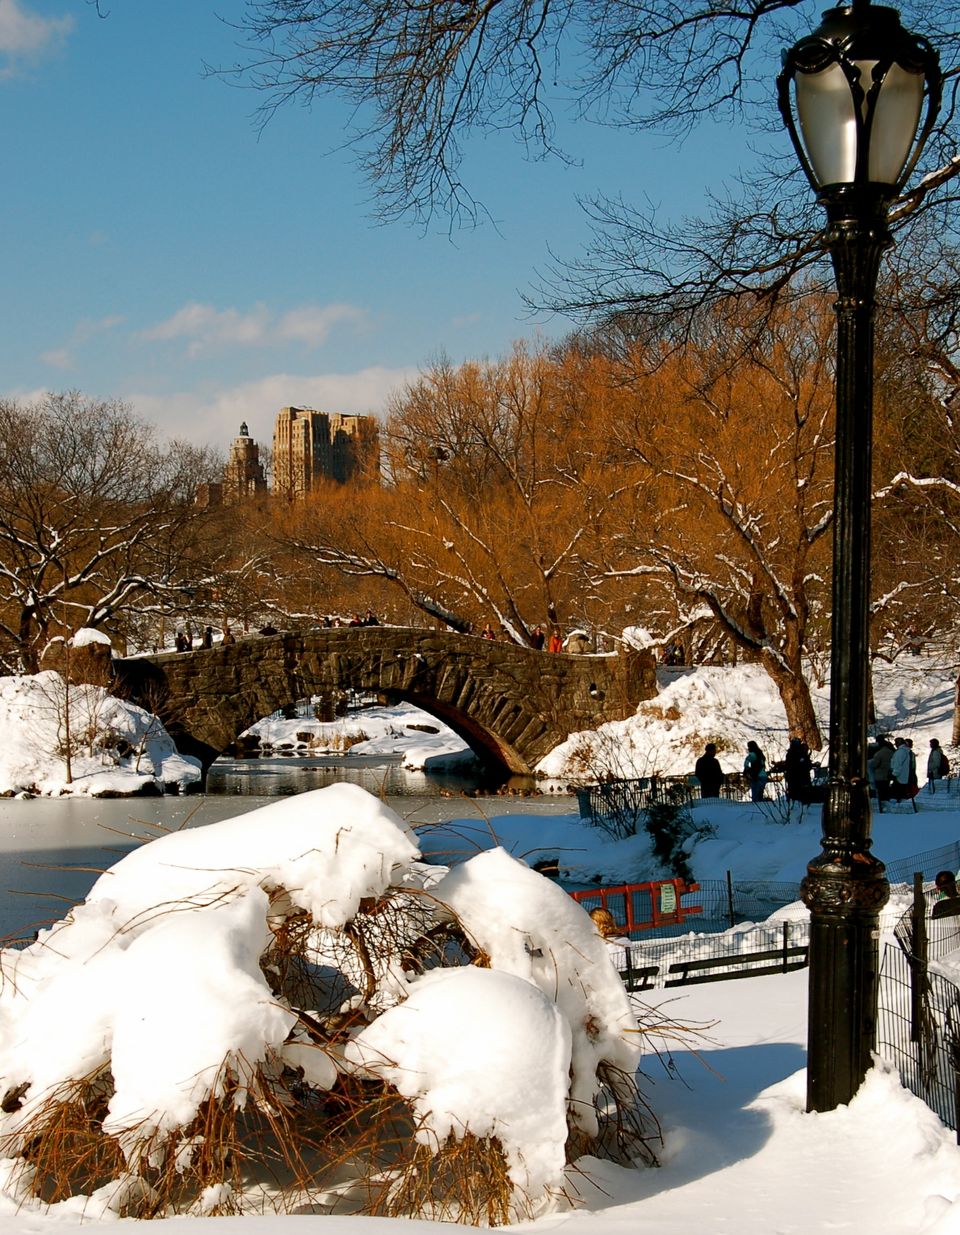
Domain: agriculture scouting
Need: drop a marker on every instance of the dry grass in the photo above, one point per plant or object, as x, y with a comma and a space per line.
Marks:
266, 1137
463, 1180
63, 1147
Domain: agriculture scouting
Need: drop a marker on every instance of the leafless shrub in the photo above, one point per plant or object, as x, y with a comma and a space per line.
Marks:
269, 1135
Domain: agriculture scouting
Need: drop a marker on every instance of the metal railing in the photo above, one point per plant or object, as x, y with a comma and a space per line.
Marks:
617, 805
774, 947
918, 1023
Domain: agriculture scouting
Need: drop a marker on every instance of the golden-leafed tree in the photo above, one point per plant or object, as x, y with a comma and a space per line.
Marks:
728, 442
493, 488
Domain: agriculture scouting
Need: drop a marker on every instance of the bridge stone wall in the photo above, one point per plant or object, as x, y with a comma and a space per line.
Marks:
511, 704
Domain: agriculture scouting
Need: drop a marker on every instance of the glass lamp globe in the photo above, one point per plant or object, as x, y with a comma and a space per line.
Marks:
852, 95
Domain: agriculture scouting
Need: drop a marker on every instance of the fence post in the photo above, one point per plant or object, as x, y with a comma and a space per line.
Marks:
730, 898
786, 945
955, 1062
918, 958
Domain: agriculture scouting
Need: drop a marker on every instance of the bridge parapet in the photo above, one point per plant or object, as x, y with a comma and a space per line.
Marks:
511, 704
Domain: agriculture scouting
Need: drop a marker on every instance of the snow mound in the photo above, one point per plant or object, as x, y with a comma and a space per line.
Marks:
265, 960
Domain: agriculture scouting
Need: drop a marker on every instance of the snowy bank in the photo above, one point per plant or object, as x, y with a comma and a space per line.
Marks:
82, 740
729, 706
423, 741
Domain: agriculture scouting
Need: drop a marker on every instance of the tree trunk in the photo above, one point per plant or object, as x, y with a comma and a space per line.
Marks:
797, 703
955, 740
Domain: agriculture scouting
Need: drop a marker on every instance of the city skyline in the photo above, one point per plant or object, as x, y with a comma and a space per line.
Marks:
164, 250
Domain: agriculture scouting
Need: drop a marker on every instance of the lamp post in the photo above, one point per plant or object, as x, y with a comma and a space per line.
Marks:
858, 96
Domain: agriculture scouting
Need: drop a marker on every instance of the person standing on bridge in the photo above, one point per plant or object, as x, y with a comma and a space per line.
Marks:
207, 637
181, 643
538, 638
555, 643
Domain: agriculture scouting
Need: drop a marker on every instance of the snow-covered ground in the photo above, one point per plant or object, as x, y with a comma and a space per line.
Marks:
730, 706
114, 747
739, 1152
418, 738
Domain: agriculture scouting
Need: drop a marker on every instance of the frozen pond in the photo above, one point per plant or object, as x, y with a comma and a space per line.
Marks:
52, 849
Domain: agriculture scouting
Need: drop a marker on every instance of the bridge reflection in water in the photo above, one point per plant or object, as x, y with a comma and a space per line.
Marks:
384, 776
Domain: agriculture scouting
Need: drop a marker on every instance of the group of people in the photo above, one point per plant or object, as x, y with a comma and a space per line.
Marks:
576, 643
184, 642
709, 773
892, 767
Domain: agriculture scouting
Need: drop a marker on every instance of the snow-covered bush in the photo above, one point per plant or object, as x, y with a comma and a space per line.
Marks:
288, 1011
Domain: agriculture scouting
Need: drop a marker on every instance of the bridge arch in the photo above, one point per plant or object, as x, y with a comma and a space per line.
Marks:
512, 705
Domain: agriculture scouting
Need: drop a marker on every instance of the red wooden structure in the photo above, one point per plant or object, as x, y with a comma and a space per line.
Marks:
642, 906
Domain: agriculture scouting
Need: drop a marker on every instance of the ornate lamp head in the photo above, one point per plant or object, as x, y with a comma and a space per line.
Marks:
859, 97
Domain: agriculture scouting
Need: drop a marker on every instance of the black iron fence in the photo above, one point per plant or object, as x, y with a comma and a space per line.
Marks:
617, 806
918, 1027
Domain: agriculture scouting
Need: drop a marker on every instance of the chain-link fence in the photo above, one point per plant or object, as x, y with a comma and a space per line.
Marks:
947, 857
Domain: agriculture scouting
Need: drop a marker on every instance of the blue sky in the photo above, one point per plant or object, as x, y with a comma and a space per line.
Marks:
158, 247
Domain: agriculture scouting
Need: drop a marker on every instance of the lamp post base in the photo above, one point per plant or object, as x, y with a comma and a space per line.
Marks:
845, 888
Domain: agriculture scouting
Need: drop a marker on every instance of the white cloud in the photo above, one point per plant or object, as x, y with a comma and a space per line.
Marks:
86, 329
26, 34
212, 416
58, 358
205, 327
312, 323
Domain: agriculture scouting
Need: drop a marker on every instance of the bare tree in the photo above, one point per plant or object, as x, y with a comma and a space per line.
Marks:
96, 520
425, 77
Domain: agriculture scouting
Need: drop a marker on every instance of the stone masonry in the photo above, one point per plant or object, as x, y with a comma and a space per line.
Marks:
511, 704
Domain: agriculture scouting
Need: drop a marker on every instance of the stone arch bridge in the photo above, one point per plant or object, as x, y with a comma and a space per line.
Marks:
511, 704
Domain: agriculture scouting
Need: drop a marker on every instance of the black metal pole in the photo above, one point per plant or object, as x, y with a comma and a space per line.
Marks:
845, 887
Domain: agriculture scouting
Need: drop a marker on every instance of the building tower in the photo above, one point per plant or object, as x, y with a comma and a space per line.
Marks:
310, 446
243, 476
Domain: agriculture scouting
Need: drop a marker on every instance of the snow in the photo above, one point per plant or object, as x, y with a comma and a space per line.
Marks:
729, 706
529, 927
116, 747
422, 740
87, 635
726, 1082
443, 1046
159, 974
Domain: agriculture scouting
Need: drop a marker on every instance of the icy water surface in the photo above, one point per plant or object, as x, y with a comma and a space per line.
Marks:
52, 849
